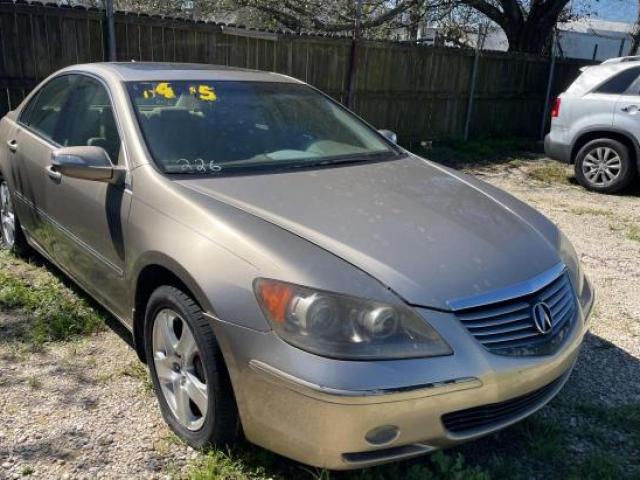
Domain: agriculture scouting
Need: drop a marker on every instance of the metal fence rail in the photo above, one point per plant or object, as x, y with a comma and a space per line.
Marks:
418, 91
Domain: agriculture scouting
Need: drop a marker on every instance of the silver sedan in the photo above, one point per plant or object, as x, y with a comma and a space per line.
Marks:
286, 270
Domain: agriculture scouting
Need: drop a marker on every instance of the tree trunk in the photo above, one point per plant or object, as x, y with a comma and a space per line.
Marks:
526, 32
635, 35
531, 38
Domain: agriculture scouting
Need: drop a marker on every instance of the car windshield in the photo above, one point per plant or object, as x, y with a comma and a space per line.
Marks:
218, 127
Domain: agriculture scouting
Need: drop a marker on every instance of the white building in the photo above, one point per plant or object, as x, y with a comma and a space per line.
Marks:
586, 38
594, 39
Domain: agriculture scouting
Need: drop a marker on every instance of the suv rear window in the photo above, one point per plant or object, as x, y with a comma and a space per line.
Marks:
619, 83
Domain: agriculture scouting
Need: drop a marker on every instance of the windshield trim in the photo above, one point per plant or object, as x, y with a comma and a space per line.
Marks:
394, 151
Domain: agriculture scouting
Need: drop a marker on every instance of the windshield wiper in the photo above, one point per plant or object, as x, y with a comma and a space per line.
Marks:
350, 158
279, 165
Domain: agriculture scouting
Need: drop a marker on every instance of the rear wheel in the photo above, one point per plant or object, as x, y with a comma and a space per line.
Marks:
188, 372
604, 165
11, 236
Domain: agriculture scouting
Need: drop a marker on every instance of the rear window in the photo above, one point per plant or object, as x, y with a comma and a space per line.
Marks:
619, 83
599, 77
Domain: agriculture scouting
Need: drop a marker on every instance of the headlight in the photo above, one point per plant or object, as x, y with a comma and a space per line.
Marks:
570, 259
341, 326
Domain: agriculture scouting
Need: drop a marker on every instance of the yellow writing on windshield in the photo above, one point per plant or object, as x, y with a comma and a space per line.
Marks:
165, 90
204, 92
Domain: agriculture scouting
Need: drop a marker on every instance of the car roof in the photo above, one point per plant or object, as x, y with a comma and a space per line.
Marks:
159, 71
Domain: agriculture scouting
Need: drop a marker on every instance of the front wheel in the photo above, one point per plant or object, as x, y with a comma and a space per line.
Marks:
187, 370
11, 236
604, 165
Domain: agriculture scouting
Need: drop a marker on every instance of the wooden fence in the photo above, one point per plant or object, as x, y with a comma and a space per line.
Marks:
420, 92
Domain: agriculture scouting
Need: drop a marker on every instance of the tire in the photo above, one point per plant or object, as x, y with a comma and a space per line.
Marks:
604, 165
11, 235
219, 424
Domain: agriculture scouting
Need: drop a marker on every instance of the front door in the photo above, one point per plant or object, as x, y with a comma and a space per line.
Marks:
90, 216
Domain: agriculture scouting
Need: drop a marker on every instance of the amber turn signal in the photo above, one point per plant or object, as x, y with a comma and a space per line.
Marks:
275, 298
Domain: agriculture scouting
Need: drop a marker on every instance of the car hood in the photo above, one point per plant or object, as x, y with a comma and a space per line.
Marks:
427, 234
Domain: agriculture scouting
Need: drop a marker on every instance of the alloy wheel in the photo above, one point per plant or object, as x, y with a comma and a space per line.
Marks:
7, 216
180, 370
602, 166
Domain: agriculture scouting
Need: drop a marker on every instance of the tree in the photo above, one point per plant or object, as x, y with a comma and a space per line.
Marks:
331, 16
635, 35
526, 23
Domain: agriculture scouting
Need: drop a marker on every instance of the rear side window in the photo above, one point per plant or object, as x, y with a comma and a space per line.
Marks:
43, 112
619, 83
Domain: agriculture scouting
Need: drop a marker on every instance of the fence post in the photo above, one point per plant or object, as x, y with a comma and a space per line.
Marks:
621, 50
111, 31
351, 72
547, 98
472, 87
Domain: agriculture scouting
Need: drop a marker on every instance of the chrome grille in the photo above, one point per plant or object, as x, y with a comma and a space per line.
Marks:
508, 328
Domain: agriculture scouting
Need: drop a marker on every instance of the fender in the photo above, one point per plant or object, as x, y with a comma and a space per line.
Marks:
160, 259
607, 129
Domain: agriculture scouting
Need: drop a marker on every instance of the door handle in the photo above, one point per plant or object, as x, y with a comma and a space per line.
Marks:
53, 174
630, 109
13, 145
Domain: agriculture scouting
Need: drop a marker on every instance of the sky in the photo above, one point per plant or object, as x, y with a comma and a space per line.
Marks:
614, 10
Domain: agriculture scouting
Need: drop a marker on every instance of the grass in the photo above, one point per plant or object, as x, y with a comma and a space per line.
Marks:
138, 371
542, 436
598, 212
633, 233
459, 154
625, 418
597, 466
34, 382
255, 464
550, 172
26, 470
52, 310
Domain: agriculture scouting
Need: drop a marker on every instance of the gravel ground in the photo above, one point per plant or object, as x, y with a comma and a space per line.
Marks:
84, 409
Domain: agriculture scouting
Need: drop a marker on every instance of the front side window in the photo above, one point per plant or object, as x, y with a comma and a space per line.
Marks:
217, 127
88, 119
73, 111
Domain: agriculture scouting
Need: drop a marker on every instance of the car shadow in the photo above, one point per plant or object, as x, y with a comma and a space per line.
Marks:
14, 329
524, 446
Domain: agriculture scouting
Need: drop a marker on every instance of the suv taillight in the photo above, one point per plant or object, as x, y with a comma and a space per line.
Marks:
555, 110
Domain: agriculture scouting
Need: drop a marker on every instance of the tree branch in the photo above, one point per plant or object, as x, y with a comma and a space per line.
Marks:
487, 9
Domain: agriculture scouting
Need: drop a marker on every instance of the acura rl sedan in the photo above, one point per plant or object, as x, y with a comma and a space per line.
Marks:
287, 271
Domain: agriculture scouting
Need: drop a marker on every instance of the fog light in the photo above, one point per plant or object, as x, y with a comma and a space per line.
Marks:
382, 435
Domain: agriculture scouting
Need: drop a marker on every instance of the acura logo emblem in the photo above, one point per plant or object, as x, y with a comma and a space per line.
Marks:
542, 319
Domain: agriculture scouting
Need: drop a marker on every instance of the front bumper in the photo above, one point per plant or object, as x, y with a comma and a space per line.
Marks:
318, 411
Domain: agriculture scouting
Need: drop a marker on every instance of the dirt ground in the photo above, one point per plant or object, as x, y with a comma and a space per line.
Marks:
84, 408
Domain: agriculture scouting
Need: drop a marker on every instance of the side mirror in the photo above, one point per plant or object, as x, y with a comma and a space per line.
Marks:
87, 163
389, 135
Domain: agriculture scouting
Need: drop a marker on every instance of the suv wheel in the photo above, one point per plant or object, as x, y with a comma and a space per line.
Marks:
11, 236
187, 370
604, 165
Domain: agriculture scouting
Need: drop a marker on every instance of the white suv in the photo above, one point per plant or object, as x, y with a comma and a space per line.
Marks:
595, 125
